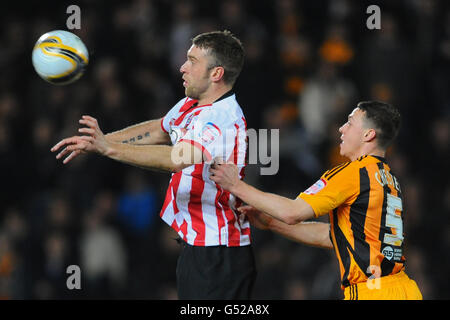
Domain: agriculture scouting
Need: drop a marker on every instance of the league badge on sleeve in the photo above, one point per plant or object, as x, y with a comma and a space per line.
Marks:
316, 187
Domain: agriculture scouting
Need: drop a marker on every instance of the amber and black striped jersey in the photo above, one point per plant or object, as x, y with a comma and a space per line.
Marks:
364, 202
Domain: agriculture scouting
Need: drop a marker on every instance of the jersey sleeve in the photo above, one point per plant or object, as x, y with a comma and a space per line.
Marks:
165, 122
214, 133
332, 190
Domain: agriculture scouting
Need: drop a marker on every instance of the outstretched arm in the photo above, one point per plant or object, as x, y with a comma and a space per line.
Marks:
153, 157
312, 233
284, 209
144, 133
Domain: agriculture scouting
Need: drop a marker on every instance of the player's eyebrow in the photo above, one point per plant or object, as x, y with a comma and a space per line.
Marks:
192, 57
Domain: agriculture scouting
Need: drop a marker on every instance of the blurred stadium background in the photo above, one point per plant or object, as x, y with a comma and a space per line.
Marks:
308, 63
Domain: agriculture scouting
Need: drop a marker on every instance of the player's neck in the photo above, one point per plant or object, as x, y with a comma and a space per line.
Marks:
371, 151
214, 93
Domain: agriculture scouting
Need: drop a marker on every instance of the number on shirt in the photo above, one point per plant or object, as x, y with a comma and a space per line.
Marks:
394, 220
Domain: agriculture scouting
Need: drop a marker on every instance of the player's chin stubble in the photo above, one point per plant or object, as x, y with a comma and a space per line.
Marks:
191, 93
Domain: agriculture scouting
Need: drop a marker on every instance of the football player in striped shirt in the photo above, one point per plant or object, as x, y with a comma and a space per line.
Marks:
363, 199
216, 259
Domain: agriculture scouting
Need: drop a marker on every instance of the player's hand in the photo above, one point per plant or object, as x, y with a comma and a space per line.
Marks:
93, 141
257, 218
224, 174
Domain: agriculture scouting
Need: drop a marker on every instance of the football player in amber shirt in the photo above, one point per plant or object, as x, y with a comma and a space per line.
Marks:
363, 199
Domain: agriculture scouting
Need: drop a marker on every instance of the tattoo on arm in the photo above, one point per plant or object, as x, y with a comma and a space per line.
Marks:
138, 137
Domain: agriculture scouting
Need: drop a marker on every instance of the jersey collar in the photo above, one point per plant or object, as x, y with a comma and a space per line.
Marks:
225, 95
382, 159
194, 103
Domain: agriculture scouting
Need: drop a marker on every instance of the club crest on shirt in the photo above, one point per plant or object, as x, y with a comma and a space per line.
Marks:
176, 134
210, 133
316, 187
189, 120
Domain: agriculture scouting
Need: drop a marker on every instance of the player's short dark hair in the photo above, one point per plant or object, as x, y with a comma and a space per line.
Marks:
385, 118
225, 49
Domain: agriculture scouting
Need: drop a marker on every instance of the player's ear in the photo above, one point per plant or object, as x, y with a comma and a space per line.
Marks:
217, 73
369, 135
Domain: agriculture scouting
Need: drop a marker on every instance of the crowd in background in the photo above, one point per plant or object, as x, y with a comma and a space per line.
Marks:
307, 65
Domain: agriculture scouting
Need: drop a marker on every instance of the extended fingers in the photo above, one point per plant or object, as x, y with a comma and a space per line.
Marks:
73, 144
66, 150
71, 156
89, 121
89, 118
76, 144
86, 138
71, 148
62, 153
87, 130
63, 142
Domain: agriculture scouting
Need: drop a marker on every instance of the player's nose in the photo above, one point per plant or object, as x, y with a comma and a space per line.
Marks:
342, 128
183, 68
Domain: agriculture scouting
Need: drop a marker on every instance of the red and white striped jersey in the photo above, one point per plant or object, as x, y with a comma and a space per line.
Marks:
196, 207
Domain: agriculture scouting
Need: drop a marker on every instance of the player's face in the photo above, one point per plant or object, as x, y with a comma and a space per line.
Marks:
196, 73
352, 133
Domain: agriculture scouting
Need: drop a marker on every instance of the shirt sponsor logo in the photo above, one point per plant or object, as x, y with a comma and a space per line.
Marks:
392, 253
316, 187
388, 252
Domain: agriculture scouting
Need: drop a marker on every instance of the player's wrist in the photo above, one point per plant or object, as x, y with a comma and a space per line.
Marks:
109, 137
109, 149
237, 188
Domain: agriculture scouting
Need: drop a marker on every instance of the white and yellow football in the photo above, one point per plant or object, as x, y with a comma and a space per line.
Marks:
60, 57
